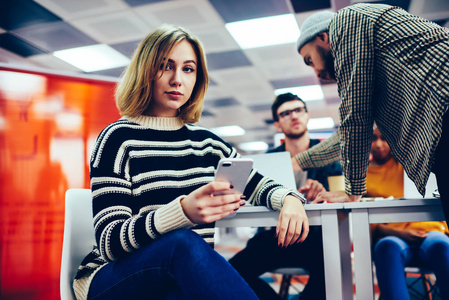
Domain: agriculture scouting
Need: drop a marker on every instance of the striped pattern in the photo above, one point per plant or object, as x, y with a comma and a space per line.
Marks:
391, 67
140, 169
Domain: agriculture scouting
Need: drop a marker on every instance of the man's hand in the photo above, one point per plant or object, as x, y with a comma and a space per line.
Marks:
293, 224
336, 196
311, 189
412, 236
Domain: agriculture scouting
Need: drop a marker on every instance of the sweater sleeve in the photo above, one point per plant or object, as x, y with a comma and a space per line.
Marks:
264, 191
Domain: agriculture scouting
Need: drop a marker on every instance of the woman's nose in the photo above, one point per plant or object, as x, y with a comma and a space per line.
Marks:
176, 79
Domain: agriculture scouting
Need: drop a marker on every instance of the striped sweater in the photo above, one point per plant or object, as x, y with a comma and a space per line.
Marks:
140, 168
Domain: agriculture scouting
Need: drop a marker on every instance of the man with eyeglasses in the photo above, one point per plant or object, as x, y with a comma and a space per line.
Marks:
262, 252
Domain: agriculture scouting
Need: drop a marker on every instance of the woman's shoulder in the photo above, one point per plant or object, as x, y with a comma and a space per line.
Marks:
116, 129
114, 135
202, 131
204, 137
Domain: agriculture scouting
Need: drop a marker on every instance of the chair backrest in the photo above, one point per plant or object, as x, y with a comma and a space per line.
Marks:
78, 237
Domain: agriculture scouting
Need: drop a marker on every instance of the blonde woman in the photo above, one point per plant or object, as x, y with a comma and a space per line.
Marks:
154, 198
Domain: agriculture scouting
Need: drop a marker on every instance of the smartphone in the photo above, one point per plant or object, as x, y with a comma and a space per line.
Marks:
235, 171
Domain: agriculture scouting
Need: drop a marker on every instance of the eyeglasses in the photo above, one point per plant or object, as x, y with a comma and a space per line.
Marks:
288, 112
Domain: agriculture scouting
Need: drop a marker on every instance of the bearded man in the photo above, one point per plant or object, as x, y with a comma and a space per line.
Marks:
392, 68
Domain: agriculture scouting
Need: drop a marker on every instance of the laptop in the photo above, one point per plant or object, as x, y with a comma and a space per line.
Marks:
277, 166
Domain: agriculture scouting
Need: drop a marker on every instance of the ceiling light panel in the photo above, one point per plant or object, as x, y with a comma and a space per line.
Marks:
320, 123
93, 58
262, 32
306, 93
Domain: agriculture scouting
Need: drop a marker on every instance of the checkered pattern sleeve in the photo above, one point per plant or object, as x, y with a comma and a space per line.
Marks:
320, 155
352, 45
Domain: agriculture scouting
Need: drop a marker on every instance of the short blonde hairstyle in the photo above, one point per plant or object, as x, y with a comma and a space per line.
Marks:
135, 89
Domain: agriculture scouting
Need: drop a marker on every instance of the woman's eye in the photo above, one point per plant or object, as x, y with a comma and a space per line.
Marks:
167, 67
189, 69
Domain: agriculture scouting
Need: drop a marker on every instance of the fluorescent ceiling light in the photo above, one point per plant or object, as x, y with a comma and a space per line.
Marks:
253, 146
321, 135
320, 123
261, 32
232, 130
306, 93
93, 58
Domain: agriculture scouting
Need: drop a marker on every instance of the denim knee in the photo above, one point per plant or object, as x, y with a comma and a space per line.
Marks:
387, 246
436, 244
185, 240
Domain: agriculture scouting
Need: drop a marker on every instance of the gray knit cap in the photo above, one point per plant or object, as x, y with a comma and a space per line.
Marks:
314, 25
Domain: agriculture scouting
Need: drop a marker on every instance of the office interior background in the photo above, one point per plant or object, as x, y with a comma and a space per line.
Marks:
51, 110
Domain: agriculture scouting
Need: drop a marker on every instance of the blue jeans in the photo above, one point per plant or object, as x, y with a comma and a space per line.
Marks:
178, 265
392, 254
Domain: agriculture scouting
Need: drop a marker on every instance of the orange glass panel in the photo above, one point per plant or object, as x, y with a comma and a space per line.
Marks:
48, 123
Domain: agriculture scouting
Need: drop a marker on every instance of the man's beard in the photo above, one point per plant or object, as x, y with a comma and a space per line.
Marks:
295, 136
328, 62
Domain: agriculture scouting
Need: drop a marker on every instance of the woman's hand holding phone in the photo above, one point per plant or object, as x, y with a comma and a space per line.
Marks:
211, 202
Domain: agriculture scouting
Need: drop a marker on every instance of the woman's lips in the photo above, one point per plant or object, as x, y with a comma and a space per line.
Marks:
174, 95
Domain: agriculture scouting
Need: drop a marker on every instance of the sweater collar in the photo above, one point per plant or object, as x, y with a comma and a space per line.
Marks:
159, 123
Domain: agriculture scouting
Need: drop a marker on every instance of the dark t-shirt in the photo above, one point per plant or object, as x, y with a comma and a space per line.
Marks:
319, 174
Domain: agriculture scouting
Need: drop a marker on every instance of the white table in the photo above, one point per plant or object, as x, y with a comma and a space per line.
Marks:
385, 211
336, 241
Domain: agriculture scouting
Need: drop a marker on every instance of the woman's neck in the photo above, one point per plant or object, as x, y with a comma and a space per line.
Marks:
160, 123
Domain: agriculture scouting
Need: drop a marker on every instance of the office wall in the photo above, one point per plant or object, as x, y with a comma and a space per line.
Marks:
48, 123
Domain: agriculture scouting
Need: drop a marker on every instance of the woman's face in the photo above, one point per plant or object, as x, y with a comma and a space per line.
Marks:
174, 88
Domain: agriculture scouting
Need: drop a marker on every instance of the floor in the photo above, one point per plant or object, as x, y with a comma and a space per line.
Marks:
231, 240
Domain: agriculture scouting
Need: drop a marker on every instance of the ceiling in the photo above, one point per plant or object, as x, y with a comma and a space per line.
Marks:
242, 81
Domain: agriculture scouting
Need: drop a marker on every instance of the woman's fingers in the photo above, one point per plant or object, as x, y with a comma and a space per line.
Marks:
209, 203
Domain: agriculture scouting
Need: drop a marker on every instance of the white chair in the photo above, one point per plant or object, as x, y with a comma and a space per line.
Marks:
78, 237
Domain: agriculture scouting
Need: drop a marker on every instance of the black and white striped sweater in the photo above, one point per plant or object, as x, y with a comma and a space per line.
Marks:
140, 168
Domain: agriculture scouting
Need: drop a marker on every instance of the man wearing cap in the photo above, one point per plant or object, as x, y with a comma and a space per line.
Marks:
393, 68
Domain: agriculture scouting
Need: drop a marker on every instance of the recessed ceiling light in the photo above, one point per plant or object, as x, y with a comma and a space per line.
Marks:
93, 58
232, 130
306, 93
262, 32
320, 123
253, 146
